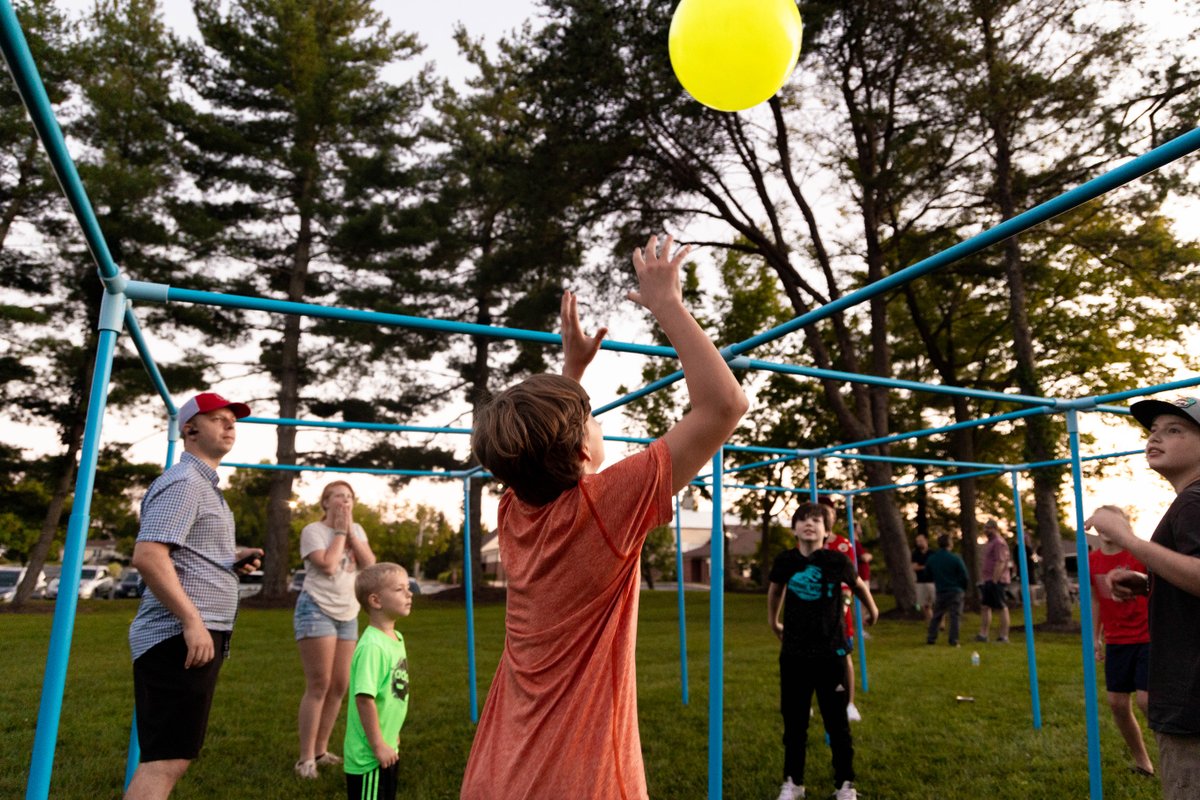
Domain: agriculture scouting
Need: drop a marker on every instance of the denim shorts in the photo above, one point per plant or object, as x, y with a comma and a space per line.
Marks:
310, 622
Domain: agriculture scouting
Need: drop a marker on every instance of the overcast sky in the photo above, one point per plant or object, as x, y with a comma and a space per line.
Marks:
433, 22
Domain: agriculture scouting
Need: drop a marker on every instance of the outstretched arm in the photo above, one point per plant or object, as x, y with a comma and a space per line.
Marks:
578, 348
1178, 569
717, 400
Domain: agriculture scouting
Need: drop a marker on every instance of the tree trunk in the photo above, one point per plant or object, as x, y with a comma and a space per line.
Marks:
279, 495
896, 553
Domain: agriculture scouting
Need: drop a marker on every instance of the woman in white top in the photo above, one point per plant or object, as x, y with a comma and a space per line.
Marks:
326, 620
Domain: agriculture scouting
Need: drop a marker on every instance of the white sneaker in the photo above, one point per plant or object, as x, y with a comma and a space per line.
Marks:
307, 769
846, 792
790, 791
328, 759
852, 713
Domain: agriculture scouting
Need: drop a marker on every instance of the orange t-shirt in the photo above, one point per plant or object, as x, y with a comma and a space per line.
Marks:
561, 716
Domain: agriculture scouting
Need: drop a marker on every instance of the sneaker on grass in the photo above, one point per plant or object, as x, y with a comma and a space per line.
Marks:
307, 768
790, 791
846, 792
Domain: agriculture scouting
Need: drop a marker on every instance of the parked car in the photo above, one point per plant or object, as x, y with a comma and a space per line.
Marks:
250, 584
130, 584
10, 579
297, 583
94, 581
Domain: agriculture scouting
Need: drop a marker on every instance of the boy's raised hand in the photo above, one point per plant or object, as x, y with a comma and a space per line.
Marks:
578, 348
658, 274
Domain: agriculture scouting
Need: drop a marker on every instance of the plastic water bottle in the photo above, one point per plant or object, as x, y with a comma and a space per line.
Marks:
975, 658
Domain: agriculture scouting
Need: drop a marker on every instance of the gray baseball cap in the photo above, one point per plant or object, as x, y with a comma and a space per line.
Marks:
1146, 411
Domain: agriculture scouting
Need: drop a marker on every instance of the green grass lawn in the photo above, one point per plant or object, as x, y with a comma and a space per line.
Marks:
916, 741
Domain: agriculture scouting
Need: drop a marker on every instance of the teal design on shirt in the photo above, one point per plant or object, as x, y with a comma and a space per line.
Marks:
807, 584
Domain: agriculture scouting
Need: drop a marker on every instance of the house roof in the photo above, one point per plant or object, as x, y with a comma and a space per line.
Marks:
743, 541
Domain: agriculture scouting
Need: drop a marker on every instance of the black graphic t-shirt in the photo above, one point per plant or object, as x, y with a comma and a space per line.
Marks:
1174, 633
812, 601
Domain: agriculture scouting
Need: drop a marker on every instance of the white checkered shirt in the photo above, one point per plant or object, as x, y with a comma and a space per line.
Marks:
185, 510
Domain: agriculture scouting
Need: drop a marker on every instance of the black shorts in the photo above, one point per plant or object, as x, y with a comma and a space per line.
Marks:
378, 784
1126, 667
172, 702
993, 594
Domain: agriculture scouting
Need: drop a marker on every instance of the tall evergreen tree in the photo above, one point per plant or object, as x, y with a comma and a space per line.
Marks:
301, 138
129, 166
510, 226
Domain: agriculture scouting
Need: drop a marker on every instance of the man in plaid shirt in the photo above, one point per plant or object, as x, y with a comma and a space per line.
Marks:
186, 554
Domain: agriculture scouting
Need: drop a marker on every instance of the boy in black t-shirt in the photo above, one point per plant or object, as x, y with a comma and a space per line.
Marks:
807, 582
1172, 582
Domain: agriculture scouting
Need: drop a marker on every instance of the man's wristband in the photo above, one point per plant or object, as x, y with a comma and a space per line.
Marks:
341, 533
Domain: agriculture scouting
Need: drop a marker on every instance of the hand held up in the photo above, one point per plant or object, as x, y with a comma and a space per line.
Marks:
578, 348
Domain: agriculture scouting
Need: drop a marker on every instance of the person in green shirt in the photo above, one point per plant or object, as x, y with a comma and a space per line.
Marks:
378, 684
949, 575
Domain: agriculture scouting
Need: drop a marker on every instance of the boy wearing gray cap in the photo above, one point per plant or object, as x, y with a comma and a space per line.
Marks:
1172, 581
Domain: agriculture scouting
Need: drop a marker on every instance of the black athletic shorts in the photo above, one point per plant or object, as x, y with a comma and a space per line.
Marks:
1126, 667
172, 702
378, 784
993, 594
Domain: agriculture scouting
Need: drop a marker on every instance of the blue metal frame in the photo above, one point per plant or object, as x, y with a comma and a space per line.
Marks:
683, 666
20, 63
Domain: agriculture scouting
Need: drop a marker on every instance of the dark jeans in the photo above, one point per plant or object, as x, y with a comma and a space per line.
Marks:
945, 601
799, 677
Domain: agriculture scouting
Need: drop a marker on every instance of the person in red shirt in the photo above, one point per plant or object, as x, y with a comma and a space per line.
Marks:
1121, 633
841, 544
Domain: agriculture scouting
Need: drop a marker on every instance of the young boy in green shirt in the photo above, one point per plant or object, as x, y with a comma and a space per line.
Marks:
378, 684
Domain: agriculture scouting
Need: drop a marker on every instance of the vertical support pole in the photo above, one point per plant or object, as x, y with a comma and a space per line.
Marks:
1085, 615
112, 312
812, 479
172, 438
683, 668
1026, 605
468, 592
858, 626
716, 640
134, 755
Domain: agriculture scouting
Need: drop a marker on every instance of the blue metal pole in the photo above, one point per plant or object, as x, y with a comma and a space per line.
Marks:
1130, 170
716, 641
1026, 604
469, 594
899, 437
62, 628
683, 667
858, 626
139, 342
156, 292
29, 84
812, 479
358, 426
416, 473
1085, 615
895, 383
135, 748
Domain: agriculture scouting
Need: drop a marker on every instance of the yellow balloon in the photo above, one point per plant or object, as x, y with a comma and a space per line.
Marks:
734, 54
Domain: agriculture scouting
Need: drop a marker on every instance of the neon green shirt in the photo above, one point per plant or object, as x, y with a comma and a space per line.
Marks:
379, 669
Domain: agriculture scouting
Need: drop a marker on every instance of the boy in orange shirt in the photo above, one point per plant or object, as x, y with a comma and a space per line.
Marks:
561, 716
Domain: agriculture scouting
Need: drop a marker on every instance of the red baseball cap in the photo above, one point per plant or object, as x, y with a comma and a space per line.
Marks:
210, 401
